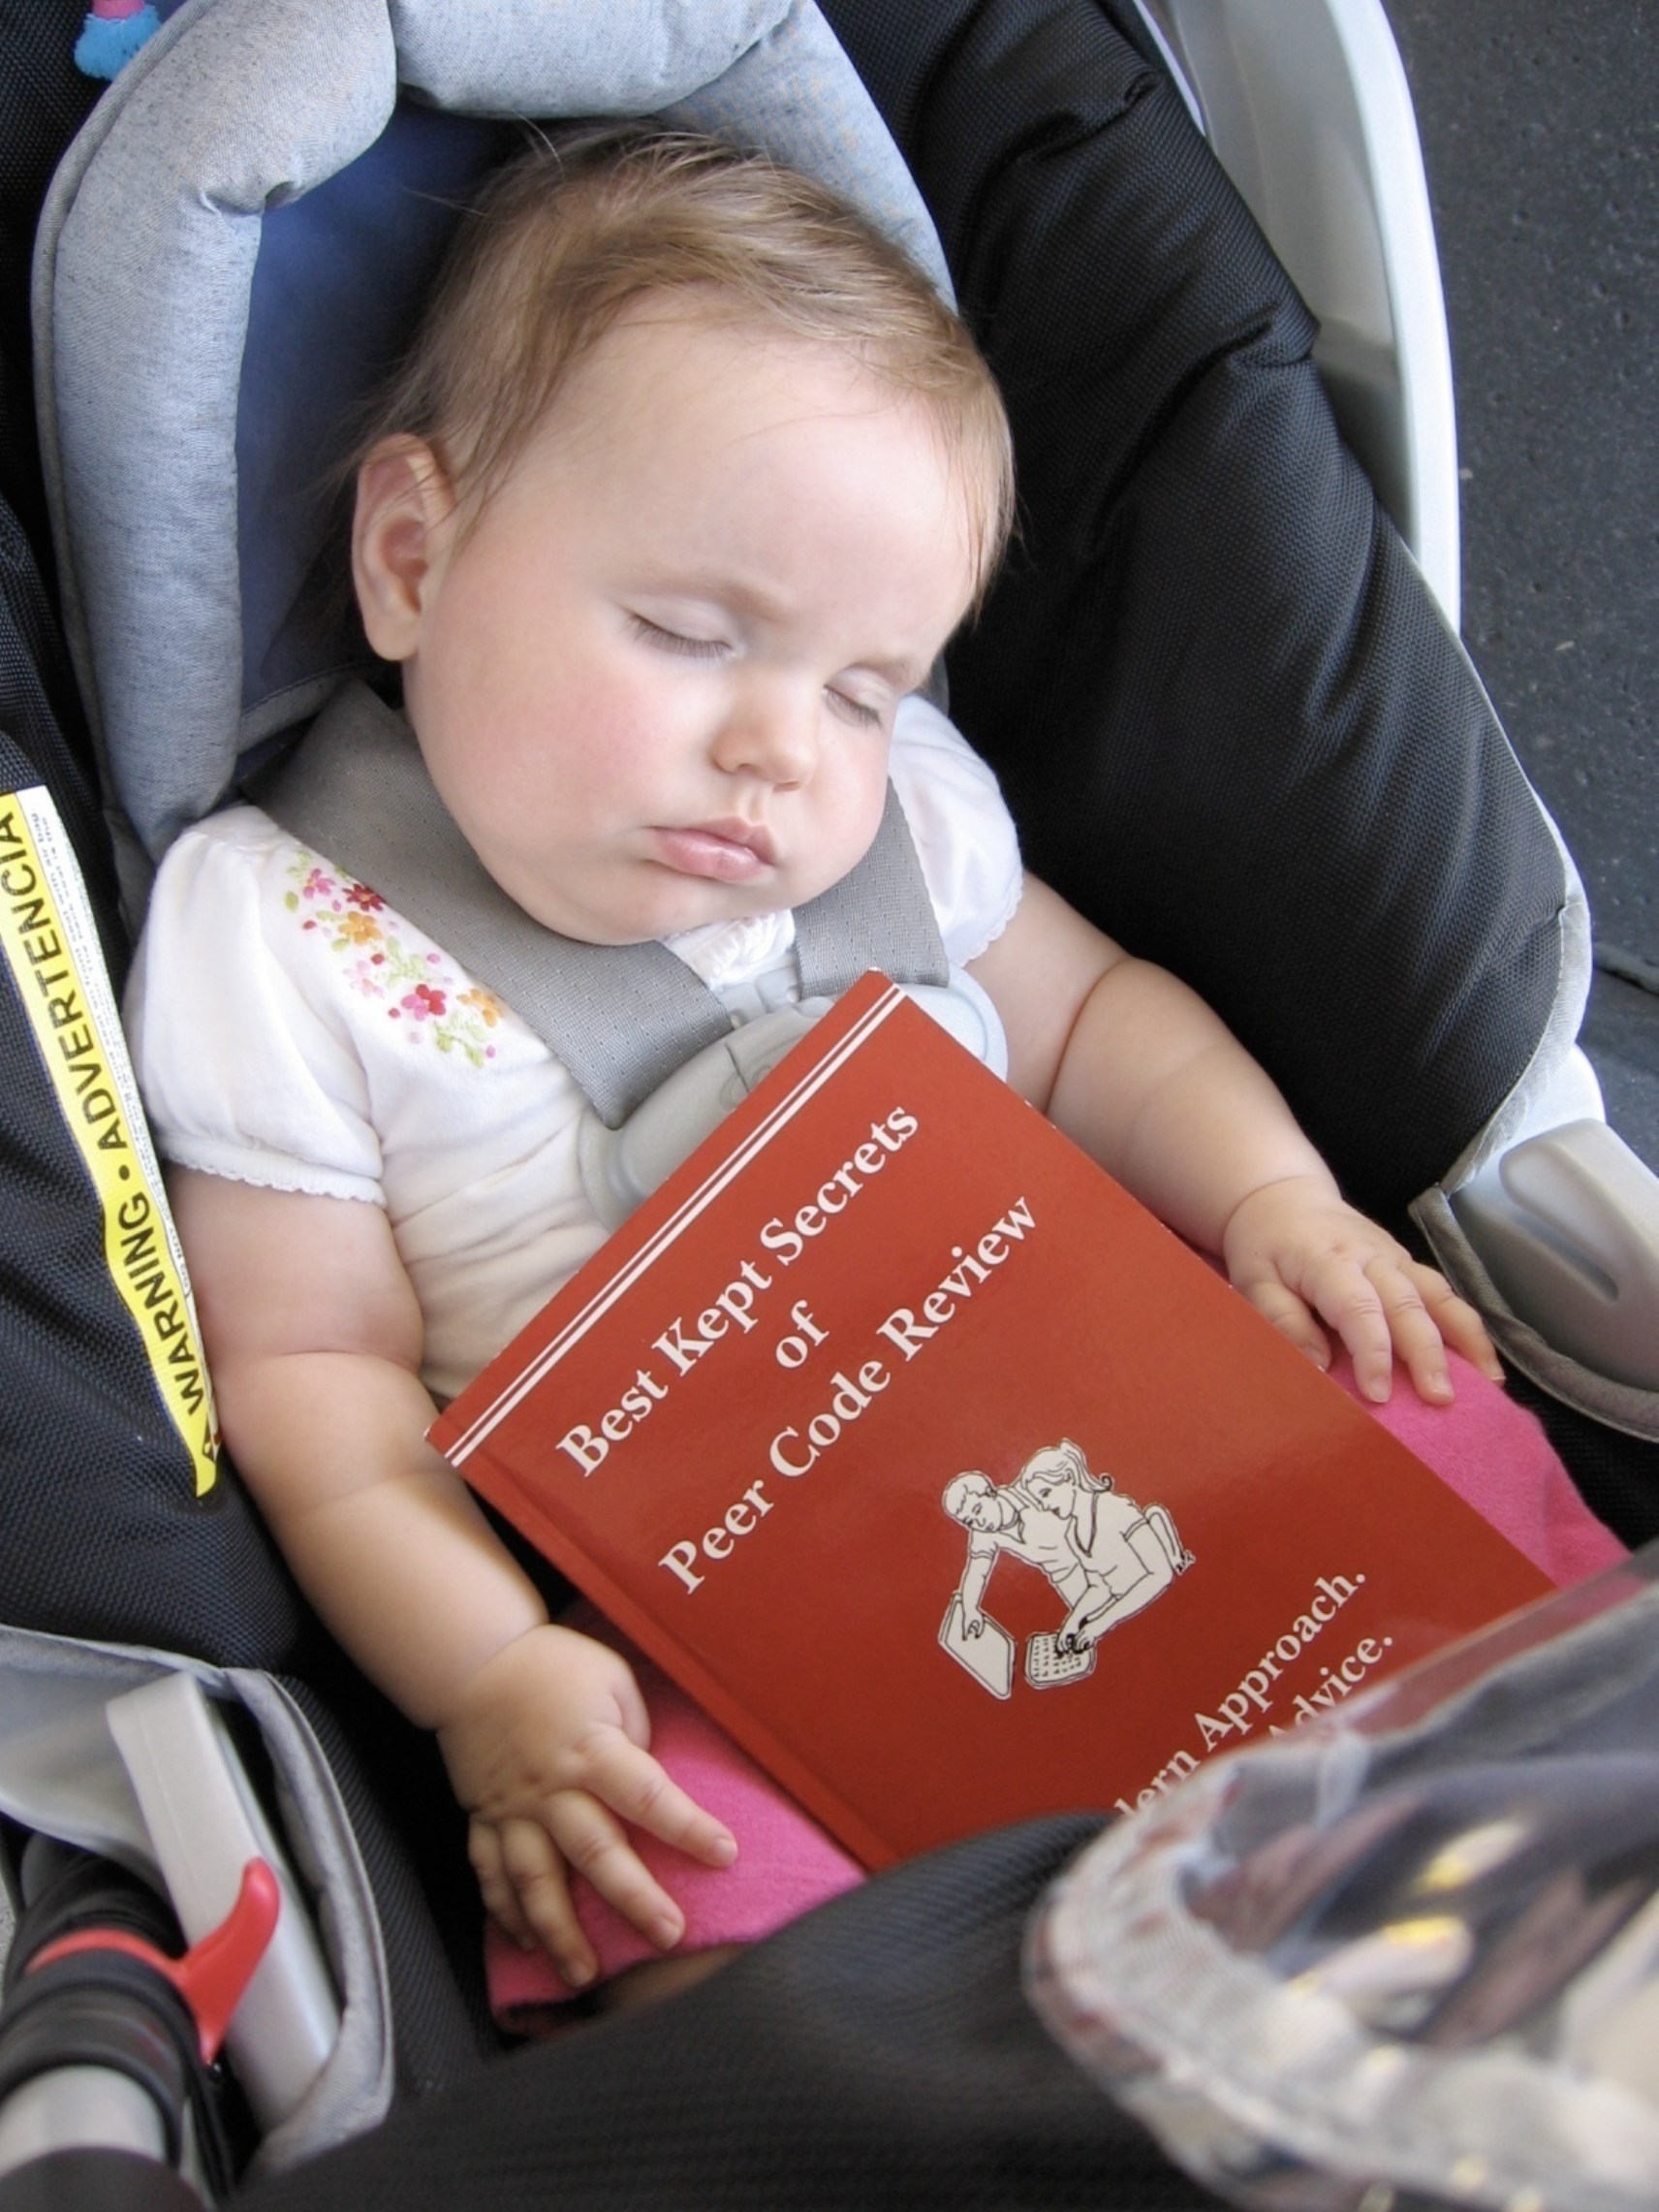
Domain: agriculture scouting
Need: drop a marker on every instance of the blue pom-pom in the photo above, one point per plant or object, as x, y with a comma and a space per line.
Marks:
107, 41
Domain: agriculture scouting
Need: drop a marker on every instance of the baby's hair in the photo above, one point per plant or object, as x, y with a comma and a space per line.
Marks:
563, 241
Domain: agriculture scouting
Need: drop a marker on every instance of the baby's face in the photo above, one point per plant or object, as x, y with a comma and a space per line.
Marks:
655, 685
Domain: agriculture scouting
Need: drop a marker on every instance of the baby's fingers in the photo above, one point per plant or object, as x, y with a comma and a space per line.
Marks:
1416, 1335
522, 1879
632, 1784
1372, 1311
500, 1898
1390, 1317
594, 1843
1290, 1315
1457, 1321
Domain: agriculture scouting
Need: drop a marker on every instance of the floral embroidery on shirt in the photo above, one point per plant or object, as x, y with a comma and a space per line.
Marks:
418, 990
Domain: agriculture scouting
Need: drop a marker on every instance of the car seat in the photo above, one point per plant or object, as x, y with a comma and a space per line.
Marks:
1209, 637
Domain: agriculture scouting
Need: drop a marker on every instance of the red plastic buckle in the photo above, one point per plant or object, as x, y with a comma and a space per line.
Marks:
213, 1974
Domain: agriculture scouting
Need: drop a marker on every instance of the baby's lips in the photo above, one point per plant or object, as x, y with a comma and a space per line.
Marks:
714, 853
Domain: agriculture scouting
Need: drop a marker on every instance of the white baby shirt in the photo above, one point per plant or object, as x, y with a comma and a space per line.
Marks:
291, 1029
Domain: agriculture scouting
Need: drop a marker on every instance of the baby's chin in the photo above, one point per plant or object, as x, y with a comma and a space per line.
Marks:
670, 911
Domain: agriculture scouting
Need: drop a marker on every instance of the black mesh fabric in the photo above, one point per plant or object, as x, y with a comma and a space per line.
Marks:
877, 2054
101, 1531
1225, 710
39, 716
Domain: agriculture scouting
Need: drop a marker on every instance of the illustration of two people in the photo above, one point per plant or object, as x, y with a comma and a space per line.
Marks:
1105, 1555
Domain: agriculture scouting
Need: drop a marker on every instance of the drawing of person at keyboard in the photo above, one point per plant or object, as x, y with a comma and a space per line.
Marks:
1107, 1557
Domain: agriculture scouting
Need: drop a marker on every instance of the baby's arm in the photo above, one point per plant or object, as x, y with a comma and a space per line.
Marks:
1137, 1069
314, 1339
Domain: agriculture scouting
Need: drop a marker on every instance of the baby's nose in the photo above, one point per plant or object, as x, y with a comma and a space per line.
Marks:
773, 732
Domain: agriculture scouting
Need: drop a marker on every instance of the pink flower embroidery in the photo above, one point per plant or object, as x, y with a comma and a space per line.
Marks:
409, 980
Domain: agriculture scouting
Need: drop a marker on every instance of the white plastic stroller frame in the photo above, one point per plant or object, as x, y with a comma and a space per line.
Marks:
1314, 125
1550, 1222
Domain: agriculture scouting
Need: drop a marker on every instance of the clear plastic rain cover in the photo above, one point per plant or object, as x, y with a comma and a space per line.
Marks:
1407, 1958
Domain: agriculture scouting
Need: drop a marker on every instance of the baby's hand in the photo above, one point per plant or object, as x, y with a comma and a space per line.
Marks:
1297, 1250
546, 1751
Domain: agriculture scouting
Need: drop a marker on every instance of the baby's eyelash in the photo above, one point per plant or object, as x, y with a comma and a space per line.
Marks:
855, 710
673, 642
668, 640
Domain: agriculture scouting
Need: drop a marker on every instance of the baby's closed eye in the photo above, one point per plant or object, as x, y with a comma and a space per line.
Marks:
675, 640
859, 712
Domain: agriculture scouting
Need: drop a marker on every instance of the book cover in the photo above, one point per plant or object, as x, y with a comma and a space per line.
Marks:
946, 1477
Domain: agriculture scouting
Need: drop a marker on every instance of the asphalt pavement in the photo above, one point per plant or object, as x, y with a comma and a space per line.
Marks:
1538, 126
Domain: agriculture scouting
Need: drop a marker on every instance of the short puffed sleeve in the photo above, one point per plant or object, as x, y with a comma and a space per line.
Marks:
964, 832
244, 1053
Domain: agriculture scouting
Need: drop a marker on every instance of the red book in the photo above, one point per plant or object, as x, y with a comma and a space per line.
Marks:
945, 1476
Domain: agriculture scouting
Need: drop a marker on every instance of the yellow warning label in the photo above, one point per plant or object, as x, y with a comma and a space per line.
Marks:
48, 937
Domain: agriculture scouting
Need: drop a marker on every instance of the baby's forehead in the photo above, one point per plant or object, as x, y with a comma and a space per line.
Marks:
684, 340
690, 396
680, 368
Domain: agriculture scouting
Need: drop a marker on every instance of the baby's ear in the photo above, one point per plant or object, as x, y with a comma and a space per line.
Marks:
400, 540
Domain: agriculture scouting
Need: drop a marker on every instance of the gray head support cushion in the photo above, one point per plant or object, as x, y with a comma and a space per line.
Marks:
223, 205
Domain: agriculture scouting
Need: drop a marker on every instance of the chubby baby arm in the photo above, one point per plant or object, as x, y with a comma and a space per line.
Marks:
314, 1338
1139, 1071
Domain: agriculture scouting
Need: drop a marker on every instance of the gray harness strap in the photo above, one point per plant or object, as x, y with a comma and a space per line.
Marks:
880, 915
621, 1018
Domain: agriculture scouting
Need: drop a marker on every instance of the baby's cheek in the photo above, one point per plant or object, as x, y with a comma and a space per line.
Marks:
852, 812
